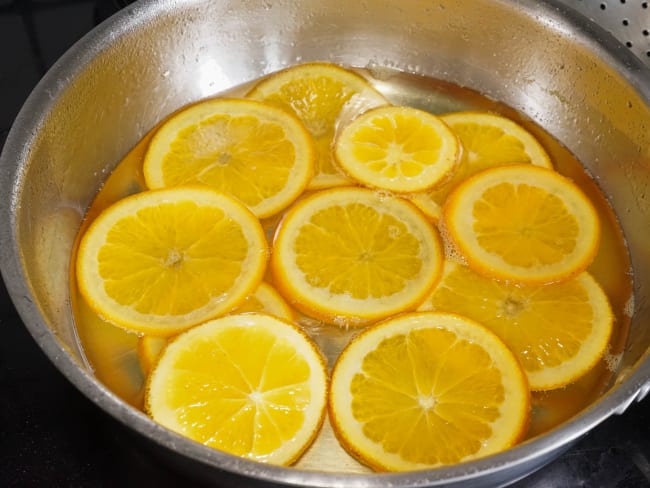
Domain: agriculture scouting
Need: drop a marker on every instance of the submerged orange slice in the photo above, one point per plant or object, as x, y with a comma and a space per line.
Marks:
490, 140
322, 95
148, 350
251, 385
558, 332
427, 389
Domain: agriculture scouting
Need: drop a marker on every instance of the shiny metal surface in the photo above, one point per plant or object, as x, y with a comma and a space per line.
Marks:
541, 58
628, 21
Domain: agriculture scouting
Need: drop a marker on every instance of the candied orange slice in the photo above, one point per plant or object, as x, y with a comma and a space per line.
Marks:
523, 223
351, 255
427, 389
258, 153
400, 149
161, 261
250, 384
558, 331
322, 95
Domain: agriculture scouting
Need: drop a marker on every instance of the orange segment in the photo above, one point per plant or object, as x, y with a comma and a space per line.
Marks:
321, 95
256, 152
523, 223
400, 149
350, 256
427, 389
161, 261
558, 331
264, 401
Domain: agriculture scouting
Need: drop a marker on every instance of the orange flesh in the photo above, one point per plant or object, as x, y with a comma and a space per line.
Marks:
112, 352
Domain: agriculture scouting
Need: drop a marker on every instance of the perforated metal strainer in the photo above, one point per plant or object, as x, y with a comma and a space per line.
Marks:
627, 20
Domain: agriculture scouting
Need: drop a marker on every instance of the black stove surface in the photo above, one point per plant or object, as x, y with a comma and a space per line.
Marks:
51, 435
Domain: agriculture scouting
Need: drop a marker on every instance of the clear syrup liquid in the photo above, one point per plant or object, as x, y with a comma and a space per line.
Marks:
112, 354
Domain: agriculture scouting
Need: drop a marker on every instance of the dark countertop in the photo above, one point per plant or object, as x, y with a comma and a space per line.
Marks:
51, 435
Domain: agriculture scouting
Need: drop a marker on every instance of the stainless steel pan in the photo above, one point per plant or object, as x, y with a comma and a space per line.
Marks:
539, 57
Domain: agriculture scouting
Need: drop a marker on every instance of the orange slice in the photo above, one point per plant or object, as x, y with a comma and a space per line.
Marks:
148, 350
400, 149
488, 140
523, 223
265, 299
427, 389
351, 255
161, 261
321, 95
265, 400
558, 332
256, 152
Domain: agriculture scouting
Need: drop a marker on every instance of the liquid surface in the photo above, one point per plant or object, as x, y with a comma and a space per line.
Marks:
111, 351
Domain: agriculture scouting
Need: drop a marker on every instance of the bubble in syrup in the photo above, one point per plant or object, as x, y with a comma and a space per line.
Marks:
628, 309
452, 253
378, 71
346, 323
384, 195
612, 361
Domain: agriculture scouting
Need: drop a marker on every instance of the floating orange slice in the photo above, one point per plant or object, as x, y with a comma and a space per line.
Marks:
351, 255
249, 384
523, 223
427, 389
258, 153
400, 149
322, 95
161, 261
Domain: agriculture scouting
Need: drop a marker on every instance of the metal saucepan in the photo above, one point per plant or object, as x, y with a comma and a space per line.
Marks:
541, 58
